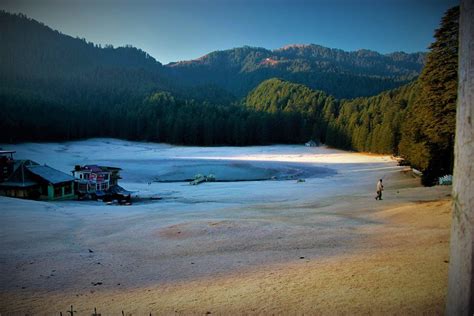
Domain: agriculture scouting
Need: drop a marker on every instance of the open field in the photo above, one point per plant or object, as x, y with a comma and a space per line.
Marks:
272, 246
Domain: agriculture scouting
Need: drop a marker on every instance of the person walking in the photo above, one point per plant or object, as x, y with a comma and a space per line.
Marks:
379, 190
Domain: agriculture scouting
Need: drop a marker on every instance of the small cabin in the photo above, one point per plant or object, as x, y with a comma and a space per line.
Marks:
31, 180
94, 179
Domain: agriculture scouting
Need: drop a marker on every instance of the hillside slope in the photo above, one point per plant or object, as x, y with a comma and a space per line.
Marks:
34, 58
334, 71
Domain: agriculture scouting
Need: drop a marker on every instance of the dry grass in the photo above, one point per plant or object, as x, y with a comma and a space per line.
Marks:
402, 269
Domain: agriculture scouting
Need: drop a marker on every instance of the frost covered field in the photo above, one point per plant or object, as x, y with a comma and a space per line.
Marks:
145, 164
53, 254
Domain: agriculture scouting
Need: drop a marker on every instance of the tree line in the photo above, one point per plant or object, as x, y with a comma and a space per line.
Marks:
415, 121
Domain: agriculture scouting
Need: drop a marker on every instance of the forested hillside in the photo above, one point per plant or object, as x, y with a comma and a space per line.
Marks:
416, 121
161, 117
371, 124
291, 99
334, 71
364, 124
54, 87
38, 60
428, 140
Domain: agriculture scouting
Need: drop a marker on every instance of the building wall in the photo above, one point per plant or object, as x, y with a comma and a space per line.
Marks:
23, 193
62, 194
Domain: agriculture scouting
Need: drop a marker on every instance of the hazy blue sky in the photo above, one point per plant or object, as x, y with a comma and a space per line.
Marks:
186, 29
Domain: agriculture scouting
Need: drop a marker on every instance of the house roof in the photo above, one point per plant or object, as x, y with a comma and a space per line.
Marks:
50, 174
24, 162
93, 168
97, 168
20, 176
26, 174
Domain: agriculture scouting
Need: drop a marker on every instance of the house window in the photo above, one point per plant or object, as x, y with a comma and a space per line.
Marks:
82, 187
58, 191
68, 188
92, 187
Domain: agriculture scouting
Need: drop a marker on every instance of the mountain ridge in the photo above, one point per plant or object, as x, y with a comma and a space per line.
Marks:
299, 46
335, 71
33, 53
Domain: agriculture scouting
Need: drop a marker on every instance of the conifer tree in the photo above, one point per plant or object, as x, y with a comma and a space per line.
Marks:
428, 132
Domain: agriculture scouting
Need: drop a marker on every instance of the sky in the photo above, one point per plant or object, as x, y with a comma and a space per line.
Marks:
187, 29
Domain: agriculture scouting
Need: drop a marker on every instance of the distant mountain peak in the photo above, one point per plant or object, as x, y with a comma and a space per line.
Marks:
290, 46
239, 70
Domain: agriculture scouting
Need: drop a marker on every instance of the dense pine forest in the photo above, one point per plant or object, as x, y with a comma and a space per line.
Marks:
55, 87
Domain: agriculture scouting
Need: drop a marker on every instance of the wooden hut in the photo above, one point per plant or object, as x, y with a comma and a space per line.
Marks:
31, 180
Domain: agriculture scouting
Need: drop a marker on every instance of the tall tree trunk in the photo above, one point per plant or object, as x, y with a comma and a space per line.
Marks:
460, 300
